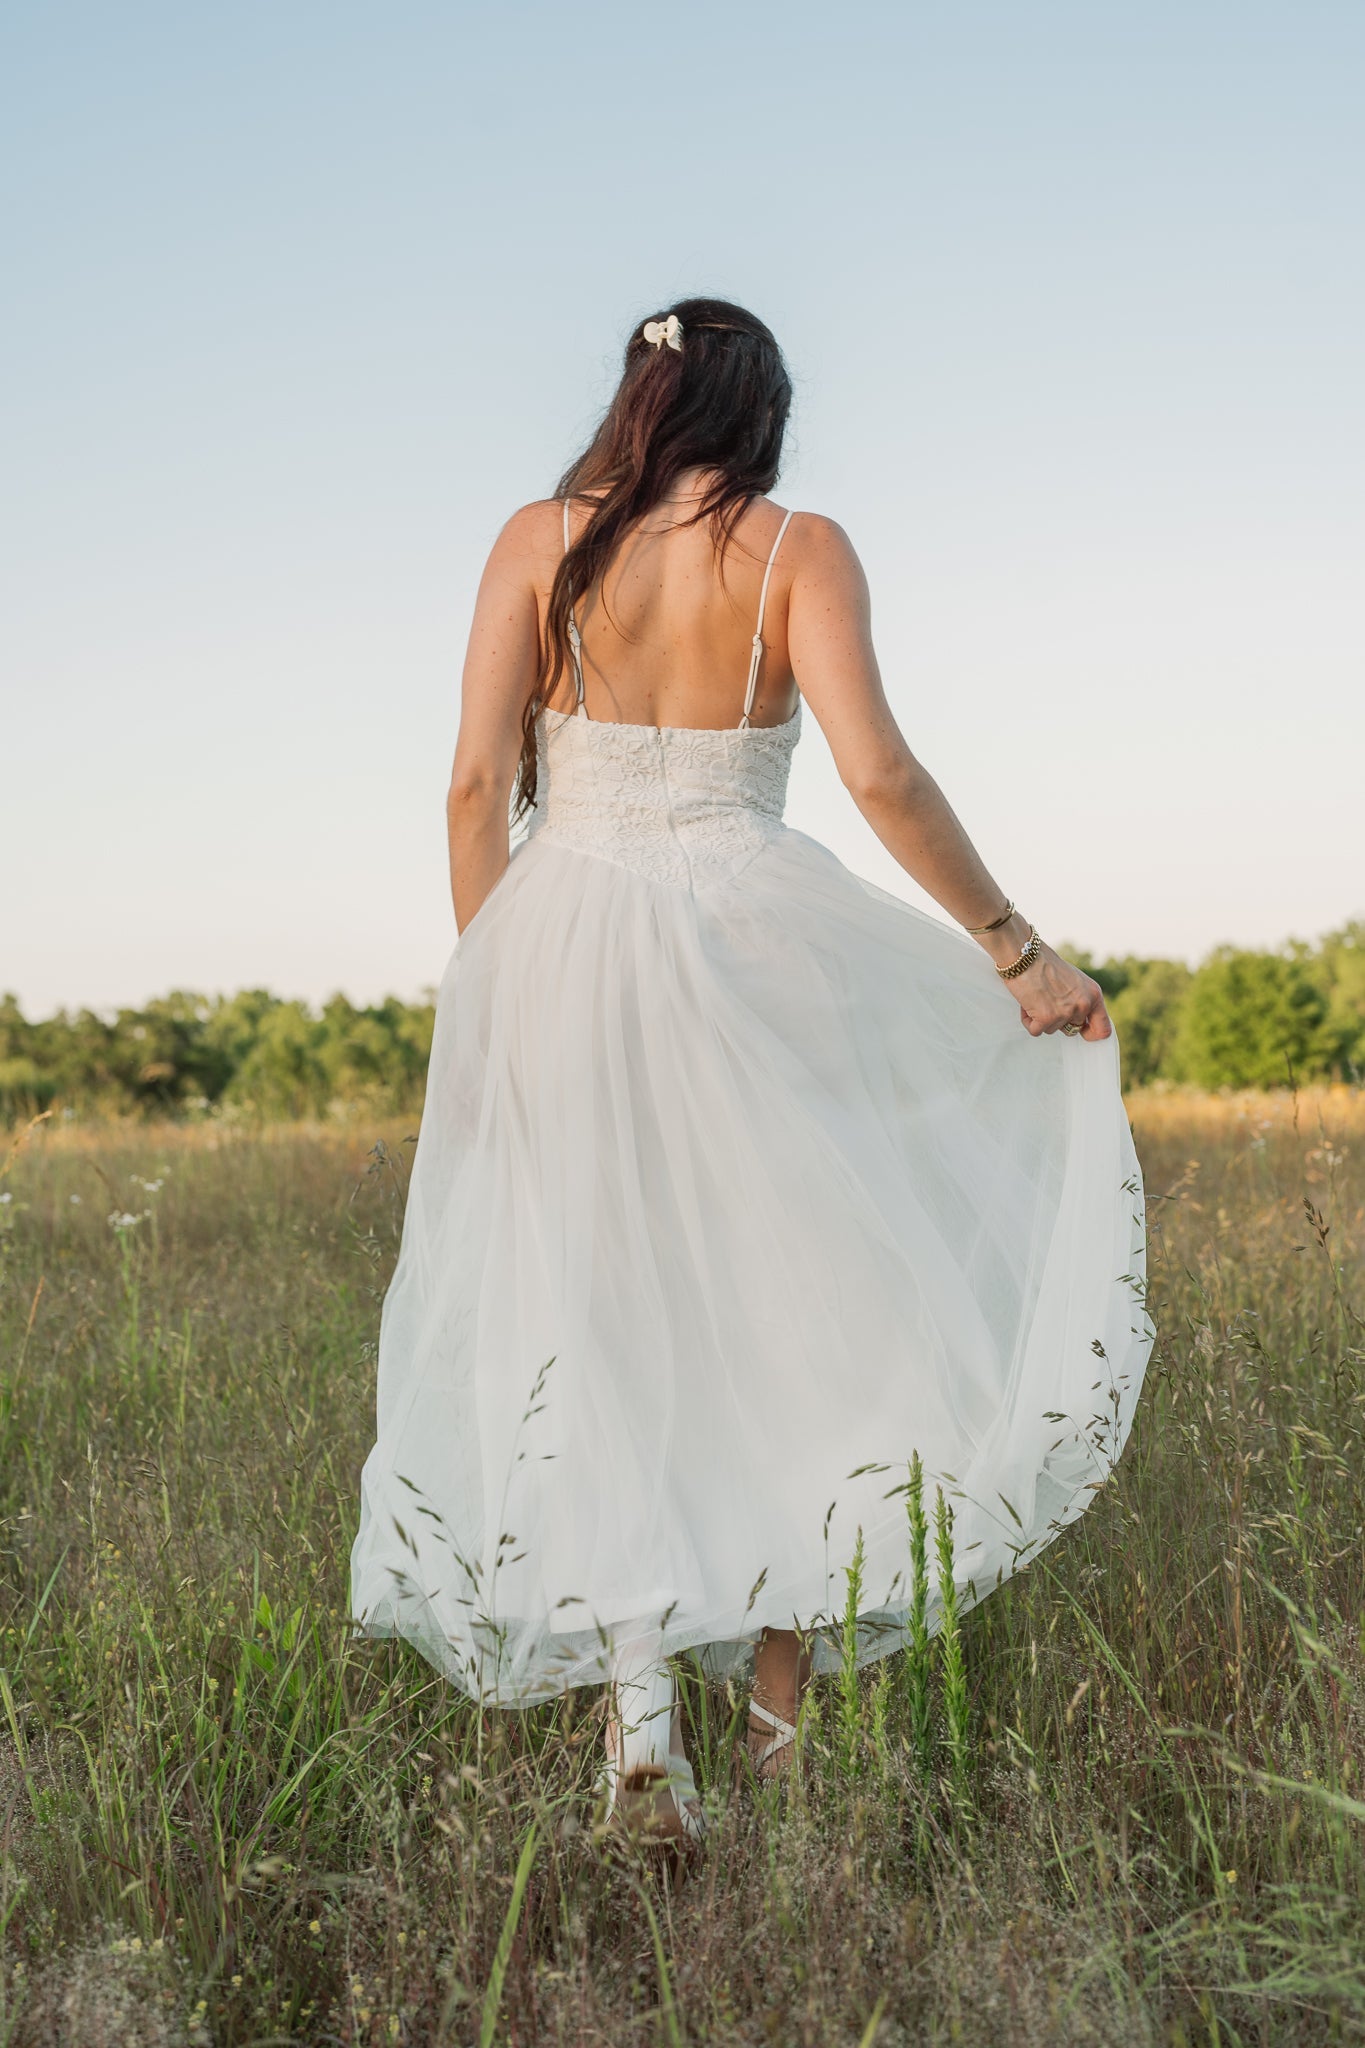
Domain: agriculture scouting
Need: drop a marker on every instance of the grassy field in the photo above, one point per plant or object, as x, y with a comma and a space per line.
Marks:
220, 1822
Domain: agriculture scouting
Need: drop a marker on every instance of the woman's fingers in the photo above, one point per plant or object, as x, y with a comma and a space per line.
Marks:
1097, 1024
1047, 1017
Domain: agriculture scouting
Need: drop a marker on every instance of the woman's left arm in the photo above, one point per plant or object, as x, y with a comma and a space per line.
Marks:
500, 670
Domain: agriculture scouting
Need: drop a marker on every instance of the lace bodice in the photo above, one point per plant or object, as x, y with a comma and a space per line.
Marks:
686, 805
681, 804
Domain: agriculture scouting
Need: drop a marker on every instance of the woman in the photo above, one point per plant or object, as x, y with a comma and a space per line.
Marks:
738, 1181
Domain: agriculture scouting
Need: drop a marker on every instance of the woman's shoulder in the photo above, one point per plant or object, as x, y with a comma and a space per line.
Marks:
816, 550
823, 566
818, 532
538, 527
530, 537
809, 532
534, 520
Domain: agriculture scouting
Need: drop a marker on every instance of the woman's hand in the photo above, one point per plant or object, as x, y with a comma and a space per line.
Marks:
1051, 994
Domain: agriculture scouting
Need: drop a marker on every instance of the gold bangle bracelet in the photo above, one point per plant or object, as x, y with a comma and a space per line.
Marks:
1026, 958
976, 931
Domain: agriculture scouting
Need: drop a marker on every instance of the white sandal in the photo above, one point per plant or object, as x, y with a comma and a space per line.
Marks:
646, 1792
784, 1737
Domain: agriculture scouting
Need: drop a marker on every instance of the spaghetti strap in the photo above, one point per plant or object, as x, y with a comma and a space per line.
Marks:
575, 642
757, 654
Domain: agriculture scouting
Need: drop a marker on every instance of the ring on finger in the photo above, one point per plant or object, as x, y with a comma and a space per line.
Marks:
1073, 1030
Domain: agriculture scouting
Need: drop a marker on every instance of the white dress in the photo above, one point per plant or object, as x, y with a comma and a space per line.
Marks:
738, 1181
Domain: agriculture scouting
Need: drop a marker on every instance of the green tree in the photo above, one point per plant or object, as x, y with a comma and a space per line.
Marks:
165, 1054
377, 1055
1247, 1021
1341, 971
283, 1072
1146, 1009
26, 1085
234, 1025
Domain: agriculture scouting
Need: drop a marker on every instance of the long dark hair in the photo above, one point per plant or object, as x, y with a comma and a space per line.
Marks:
719, 402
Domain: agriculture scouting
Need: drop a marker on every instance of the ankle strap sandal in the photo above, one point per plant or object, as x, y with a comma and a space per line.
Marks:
646, 1794
784, 1737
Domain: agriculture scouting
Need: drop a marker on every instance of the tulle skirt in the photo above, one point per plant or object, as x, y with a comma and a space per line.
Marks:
724, 1205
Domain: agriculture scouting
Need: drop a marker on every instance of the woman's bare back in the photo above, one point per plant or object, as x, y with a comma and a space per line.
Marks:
667, 634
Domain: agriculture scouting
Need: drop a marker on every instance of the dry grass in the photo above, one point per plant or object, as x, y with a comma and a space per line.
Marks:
1163, 1835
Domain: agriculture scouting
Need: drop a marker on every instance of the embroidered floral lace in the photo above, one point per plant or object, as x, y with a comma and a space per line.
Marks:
683, 805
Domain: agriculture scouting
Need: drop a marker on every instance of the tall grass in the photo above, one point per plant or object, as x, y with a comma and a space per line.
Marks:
1120, 1801
956, 1713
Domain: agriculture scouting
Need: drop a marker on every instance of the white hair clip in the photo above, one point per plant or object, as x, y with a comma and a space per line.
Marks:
657, 332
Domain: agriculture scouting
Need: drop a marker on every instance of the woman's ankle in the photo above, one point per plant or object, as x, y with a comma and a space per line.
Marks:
782, 1670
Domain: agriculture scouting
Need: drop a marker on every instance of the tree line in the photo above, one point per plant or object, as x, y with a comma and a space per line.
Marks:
1241, 1019
186, 1054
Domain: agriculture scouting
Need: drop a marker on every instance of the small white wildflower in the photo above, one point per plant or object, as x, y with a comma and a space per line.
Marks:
6, 1196
122, 1219
74, 1200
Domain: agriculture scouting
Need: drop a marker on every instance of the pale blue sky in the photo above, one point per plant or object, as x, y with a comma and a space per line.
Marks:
304, 298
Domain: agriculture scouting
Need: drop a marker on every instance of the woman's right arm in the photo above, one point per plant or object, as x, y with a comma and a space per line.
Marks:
829, 639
